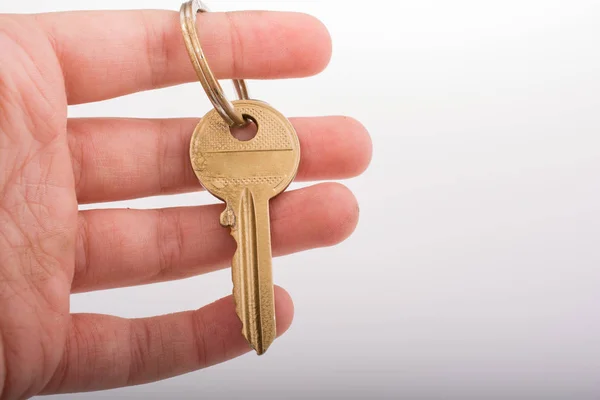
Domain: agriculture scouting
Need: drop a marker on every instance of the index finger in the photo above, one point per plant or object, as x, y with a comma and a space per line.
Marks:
106, 54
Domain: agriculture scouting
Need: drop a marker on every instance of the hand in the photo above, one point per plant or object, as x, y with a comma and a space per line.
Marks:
49, 164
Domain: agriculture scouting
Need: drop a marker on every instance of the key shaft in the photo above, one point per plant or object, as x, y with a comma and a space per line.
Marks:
252, 270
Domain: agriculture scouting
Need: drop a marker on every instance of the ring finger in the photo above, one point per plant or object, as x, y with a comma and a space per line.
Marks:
117, 248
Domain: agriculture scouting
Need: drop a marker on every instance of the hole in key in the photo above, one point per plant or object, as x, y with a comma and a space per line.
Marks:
246, 132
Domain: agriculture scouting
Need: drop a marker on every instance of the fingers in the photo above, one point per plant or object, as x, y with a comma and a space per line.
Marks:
106, 54
117, 159
129, 352
118, 248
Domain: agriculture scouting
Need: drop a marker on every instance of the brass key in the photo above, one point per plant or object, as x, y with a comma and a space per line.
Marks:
246, 175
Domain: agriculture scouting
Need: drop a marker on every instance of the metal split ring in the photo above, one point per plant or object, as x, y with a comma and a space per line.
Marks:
210, 84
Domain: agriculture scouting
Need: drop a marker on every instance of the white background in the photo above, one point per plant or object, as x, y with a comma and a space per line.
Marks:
474, 272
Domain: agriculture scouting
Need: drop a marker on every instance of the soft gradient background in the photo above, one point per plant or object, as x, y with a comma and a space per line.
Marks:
475, 270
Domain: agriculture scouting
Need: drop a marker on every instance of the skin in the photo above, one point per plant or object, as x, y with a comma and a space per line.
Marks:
49, 164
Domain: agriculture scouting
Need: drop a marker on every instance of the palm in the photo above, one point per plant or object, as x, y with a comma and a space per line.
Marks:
49, 164
38, 213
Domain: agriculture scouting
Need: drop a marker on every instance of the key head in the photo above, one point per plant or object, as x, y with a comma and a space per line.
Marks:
265, 164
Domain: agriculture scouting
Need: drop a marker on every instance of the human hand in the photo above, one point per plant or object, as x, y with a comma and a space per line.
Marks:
49, 164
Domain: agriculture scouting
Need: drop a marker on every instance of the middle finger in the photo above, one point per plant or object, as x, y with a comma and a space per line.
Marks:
120, 159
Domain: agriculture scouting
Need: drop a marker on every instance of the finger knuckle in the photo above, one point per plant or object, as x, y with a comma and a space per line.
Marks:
169, 241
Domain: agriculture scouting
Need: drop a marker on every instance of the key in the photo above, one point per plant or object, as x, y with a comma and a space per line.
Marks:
246, 175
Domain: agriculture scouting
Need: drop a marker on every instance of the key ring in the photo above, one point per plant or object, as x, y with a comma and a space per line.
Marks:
210, 84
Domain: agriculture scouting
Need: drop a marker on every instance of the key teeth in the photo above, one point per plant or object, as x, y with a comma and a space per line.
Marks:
255, 344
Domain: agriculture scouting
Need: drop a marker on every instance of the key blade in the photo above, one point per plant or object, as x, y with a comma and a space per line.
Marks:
251, 268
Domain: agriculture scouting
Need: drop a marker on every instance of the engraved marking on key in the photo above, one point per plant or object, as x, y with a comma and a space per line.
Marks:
246, 175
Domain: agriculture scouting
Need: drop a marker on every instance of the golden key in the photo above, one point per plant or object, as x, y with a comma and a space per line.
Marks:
245, 175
